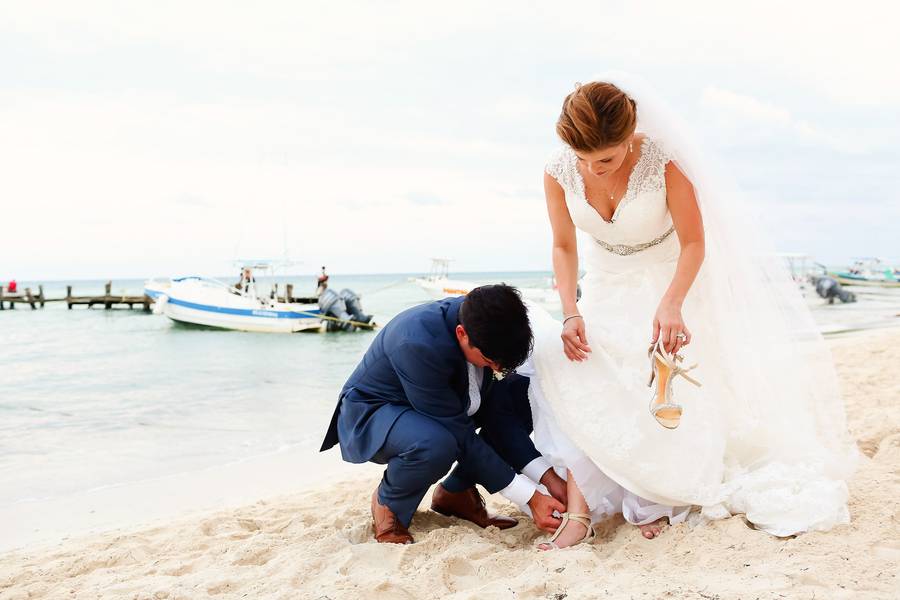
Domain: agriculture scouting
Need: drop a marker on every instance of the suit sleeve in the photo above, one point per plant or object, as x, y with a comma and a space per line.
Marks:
505, 414
425, 379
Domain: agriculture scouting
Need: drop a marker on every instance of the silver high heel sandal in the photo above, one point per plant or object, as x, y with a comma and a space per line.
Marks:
578, 518
663, 369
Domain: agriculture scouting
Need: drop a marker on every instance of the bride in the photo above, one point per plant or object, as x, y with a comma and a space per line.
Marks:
672, 262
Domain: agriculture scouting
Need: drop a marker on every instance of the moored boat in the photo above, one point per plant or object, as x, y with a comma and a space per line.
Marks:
869, 272
212, 303
438, 284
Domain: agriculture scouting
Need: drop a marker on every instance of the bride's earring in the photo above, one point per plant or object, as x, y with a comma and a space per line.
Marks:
631, 146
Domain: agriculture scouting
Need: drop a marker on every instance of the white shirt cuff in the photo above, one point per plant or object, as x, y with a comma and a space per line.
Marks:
520, 490
536, 469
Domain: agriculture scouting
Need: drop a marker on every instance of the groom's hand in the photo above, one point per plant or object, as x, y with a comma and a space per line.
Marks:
556, 485
542, 507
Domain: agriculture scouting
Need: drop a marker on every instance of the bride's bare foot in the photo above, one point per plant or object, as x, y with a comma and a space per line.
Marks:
573, 532
652, 530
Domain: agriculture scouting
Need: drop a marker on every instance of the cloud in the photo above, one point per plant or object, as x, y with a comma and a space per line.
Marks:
115, 174
152, 138
519, 107
744, 106
425, 199
193, 201
750, 119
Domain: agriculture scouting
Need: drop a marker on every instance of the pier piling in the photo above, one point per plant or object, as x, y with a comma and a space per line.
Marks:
40, 299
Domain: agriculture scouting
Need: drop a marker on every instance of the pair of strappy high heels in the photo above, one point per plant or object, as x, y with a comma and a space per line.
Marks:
664, 367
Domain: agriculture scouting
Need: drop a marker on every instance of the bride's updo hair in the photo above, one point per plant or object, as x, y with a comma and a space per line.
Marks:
595, 116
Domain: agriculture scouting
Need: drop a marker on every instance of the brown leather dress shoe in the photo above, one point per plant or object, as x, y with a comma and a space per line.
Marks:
388, 529
469, 505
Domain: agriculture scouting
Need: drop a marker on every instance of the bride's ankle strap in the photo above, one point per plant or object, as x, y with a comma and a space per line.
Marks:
580, 517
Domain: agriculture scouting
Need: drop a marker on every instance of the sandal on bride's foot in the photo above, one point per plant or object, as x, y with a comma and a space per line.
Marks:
663, 369
652, 530
566, 519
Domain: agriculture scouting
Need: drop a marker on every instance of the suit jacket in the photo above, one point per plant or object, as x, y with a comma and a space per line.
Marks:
414, 363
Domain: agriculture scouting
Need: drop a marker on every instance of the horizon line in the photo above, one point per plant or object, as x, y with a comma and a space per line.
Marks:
312, 274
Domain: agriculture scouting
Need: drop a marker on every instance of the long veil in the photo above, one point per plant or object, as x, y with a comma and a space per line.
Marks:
787, 426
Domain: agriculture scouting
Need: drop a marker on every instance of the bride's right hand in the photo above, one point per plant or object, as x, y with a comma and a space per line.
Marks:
574, 339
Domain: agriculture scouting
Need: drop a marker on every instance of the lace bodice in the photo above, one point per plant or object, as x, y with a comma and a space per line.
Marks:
642, 214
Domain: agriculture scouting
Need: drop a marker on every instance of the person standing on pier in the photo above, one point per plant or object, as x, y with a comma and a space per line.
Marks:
322, 282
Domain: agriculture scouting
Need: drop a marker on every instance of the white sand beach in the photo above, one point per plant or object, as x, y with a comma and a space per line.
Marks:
318, 544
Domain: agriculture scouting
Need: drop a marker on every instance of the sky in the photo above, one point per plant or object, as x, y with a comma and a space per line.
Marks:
170, 138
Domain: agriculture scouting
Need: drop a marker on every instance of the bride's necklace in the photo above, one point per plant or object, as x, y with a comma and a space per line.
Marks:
613, 205
612, 194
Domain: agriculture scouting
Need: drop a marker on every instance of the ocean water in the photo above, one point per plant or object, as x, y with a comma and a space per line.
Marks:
92, 398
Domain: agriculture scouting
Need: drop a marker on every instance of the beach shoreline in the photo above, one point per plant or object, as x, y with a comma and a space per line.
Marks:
41, 523
317, 543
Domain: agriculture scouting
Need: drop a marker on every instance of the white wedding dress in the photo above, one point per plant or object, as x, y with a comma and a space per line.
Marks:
751, 440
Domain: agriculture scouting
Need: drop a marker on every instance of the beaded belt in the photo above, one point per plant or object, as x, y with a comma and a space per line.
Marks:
625, 249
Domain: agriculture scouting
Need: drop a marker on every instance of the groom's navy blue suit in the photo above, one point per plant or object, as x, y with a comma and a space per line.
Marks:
406, 406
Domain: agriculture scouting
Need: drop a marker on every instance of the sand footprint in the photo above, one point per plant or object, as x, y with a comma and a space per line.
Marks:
387, 590
249, 524
180, 568
888, 447
220, 587
381, 557
459, 574
256, 553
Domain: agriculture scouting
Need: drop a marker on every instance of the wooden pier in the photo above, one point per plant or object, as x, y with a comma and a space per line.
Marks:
290, 297
108, 300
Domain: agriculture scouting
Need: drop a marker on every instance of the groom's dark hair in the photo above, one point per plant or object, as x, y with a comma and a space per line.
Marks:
496, 321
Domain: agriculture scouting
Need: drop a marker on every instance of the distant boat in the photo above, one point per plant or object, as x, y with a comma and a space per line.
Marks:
212, 303
438, 284
869, 272
803, 269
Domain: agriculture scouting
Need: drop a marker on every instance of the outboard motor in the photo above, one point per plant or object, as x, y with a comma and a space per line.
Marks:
829, 289
351, 300
344, 306
332, 305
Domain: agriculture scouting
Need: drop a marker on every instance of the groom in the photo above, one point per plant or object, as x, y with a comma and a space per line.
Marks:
419, 395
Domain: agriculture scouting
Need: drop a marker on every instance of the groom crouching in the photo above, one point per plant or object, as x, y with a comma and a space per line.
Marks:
417, 398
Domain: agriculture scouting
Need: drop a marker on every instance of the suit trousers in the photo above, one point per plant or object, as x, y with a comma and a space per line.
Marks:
418, 450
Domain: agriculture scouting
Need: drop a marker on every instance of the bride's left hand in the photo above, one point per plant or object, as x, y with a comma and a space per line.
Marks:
667, 323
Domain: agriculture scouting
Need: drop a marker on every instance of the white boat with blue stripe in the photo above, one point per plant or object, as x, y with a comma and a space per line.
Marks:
213, 303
